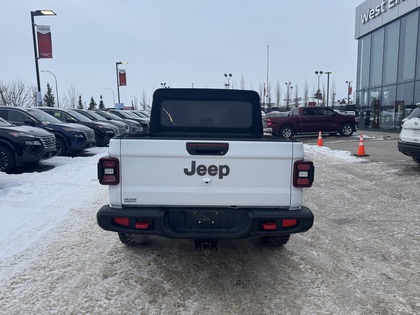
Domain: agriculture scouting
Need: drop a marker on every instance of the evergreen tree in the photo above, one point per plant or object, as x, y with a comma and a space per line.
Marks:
80, 104
49, 99
101, 103
92, 104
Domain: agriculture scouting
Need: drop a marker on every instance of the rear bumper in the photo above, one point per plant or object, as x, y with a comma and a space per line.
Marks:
208, 223
409, 148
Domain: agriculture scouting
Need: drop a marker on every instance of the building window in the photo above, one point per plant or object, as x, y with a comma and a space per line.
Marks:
376, 58
408, 44
391, 53
364, 58
417, 92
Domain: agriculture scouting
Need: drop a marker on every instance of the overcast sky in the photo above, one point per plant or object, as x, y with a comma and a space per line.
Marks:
182, 43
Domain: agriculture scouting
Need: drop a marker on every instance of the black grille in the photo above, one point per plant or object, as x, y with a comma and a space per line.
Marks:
90, 134
48, 141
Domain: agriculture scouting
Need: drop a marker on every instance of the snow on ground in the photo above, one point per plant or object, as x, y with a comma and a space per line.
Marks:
31, 204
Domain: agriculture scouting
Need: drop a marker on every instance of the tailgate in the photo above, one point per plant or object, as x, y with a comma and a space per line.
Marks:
250, 173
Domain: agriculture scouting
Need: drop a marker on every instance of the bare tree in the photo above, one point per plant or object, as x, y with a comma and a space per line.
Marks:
143, 101
306, 94
16, 93
296, 90
278, 94
71, 98
242, 83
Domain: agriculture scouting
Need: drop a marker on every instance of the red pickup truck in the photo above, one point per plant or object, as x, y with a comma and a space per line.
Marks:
312, 119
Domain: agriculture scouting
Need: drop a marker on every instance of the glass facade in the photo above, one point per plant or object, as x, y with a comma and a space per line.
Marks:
388, 73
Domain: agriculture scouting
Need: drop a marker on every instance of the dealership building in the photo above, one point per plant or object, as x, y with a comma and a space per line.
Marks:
387, 86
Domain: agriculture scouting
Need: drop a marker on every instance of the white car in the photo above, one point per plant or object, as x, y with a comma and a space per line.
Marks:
409, 142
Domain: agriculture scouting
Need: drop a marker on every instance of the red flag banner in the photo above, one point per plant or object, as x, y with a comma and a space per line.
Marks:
44, 41
122, 78
350, 90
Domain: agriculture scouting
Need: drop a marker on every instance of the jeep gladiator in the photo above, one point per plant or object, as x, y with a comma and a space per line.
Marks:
205, 172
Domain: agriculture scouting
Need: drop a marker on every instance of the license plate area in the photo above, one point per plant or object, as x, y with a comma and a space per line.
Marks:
205, 219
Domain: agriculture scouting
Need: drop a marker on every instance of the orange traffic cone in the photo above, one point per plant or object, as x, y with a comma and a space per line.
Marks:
361, 149
320, 139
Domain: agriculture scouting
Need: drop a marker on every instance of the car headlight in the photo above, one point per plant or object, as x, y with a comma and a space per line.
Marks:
33, 142
79, 135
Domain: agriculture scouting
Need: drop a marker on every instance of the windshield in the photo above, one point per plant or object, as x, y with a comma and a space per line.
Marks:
414, 114
94, 115
4, 123
43, 116
79, 116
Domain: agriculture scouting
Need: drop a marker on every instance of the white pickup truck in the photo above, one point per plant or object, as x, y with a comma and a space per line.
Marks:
205, 172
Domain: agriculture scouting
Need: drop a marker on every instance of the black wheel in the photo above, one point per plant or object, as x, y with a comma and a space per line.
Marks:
286, 132
7, 160
417, 160
134, 239
60, 146
346, 130
275, 240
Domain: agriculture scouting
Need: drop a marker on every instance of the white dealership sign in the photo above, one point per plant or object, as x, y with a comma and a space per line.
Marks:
379, 9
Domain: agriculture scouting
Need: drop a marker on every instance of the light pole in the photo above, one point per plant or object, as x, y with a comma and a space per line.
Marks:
318, 92
113, 94
348, 91
287, 94
228, 77
328, 84
38, 81
118, 79
56, 85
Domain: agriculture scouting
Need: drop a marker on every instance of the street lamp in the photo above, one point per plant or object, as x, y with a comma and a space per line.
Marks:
56, 85
348, 91
118, 79
318, 92
328, 84
38, 81
291, 93
287, 94
228, 77
113, 94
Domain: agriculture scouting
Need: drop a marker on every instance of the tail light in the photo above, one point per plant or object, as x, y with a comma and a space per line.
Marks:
303, 174
108, 171
268, 121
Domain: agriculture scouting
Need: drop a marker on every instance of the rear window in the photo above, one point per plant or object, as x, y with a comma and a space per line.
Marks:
206, 114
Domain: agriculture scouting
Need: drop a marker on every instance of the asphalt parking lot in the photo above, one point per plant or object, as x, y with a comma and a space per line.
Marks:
379, 146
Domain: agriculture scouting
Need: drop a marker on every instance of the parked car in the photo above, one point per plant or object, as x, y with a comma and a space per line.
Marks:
103, 131
122, 127
70, 138
22, 145
134, 126
312, 119
127, 114
409, 142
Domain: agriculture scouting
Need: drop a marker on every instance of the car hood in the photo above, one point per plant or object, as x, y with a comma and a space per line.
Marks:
76, 126
33, 131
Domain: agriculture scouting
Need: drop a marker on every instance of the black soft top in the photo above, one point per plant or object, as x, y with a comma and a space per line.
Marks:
212, 112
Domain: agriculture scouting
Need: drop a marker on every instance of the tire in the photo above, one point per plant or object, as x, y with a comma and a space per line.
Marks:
417, 160
134, 239
275, 240
346, 130
61, 147
7, 160
286, 132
